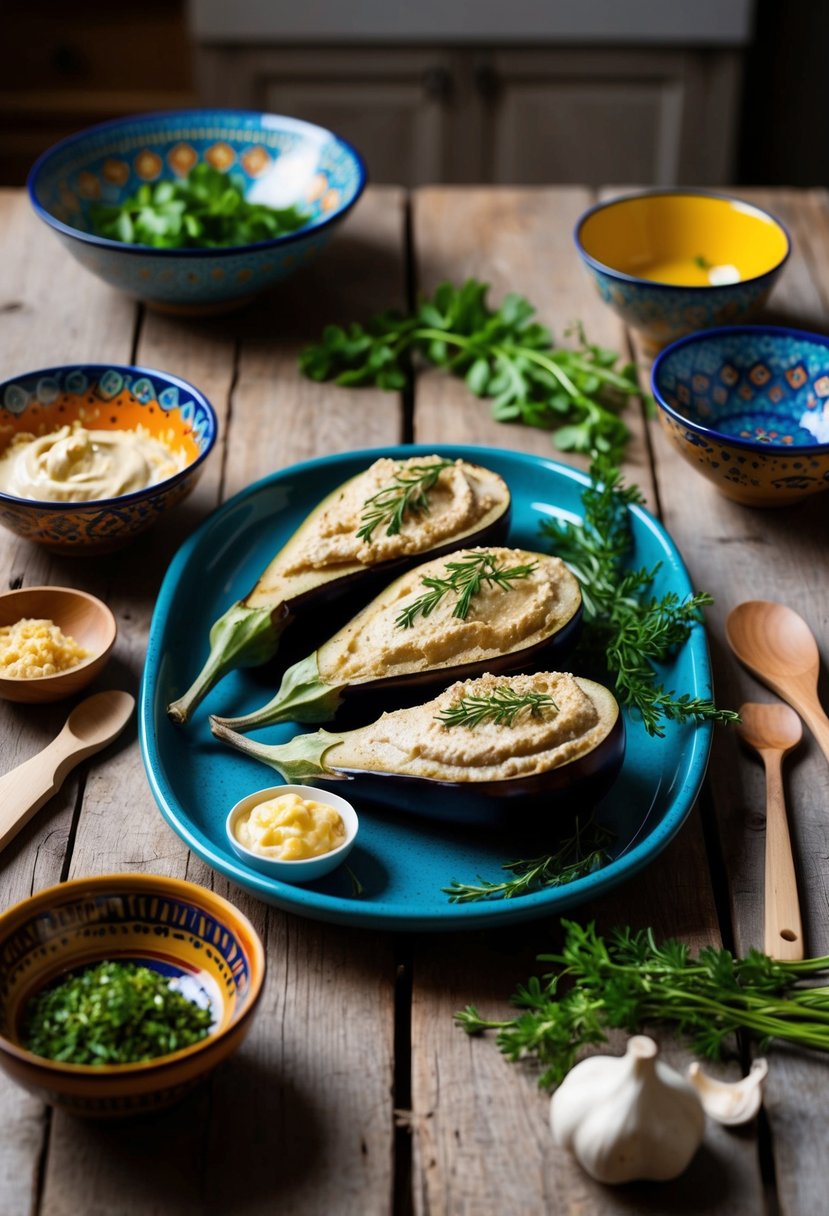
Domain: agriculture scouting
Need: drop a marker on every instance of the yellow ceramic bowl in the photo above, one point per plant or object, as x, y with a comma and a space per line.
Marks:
172, 926
670, 262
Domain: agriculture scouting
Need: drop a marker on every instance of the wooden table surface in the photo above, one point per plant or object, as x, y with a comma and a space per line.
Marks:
355, 1093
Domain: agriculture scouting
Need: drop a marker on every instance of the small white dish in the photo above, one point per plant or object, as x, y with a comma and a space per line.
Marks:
309, 868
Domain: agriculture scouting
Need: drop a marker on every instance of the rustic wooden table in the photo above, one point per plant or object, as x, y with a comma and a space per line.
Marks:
355, 1093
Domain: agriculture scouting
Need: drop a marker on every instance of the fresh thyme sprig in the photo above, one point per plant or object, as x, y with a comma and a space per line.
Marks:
464, 579
629, 628
583, 852
502, 353
627, 981
407, 494
501, 706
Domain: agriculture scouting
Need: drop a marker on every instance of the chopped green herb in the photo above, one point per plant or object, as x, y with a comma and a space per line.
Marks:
501, 706
503, 354
112, 1013
628, 982
581, 853
464, 579
407, 494
206, 210
702, 262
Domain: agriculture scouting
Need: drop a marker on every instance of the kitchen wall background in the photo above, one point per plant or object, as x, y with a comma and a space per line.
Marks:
624, 91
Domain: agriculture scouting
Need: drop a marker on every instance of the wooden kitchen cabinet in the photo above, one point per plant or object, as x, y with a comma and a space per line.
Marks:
486, 114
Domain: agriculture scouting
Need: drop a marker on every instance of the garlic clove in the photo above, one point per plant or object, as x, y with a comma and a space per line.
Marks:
730, 1102
628, 1117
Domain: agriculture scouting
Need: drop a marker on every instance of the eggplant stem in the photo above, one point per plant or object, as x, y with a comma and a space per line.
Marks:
243, 637
301, 759
303, 697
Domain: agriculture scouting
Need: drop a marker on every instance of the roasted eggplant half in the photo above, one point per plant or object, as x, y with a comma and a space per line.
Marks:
480, 751
452, 618
379, 522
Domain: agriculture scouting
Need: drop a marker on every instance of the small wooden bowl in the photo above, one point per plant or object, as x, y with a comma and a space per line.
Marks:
78, 615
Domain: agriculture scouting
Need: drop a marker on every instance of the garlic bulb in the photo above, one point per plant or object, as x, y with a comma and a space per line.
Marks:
628, 1117
730, 1102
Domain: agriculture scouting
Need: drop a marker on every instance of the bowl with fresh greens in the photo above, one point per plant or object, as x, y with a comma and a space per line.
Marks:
197, 210
119, 993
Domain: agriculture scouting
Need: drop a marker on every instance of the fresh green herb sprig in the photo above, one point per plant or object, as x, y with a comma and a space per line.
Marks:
502, 706
502, 354
581, 853
408, 494
628, 982
629, 628
464, 578
205, 210
112, 1013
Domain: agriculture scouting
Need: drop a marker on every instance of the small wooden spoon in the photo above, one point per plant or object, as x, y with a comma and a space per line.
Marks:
777, 645
773, 730
90, 726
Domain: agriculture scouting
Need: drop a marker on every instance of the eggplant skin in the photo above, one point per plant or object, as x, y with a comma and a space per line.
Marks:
564, 790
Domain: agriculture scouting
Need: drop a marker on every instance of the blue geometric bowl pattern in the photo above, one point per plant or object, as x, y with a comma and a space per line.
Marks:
662, 313
104, 396
107, 163
750, 406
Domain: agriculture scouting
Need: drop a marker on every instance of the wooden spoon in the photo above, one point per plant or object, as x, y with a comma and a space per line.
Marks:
89, 727
777, 645
773, 730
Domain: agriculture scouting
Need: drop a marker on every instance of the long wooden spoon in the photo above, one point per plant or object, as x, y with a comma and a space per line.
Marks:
777, 645
90, 726
773, 730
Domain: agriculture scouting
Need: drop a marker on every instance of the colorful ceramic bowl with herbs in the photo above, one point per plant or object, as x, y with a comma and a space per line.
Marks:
119, 993
670, 262
197, 210
748, 406
92, 454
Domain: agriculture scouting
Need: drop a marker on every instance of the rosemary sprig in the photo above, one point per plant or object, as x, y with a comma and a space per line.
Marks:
407, 494
628, 981
624, 626
581, 853
464, 579
501, 706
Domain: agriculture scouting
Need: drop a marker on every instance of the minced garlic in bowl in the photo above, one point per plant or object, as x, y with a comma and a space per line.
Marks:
33, 648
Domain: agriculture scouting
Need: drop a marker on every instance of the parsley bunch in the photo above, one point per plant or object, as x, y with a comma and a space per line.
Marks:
206, 210
627, 982
502, 354
626, 625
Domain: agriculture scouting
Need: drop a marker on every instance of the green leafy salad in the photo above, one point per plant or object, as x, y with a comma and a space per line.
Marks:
205, 210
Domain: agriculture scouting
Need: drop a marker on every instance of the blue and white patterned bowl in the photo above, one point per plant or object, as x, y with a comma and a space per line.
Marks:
104, 396
748, 406
107, 163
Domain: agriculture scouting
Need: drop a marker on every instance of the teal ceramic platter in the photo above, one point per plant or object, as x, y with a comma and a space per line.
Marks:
401, 859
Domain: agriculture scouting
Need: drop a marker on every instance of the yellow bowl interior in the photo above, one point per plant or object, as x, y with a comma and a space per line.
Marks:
680, 238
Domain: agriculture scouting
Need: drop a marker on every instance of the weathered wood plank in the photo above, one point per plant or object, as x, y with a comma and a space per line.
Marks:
50, 312
278, 1106
739, 553
479, 1125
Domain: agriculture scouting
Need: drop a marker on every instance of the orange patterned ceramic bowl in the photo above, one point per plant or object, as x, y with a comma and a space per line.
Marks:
174, 927
104, 397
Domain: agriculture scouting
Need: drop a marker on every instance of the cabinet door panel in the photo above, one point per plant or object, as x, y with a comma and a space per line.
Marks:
585, 131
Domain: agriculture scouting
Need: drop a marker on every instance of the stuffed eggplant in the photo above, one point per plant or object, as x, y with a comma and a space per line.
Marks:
476, 610
481, 748
380, 521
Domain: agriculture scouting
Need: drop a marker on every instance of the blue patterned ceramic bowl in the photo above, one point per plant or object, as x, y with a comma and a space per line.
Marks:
104, 396
187, 933
107, 163
748, 407
670, 262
